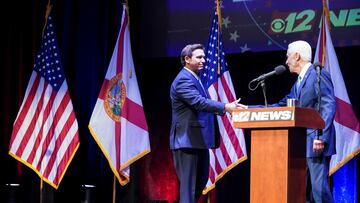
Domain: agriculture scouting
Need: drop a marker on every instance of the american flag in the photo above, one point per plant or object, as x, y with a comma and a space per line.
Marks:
45, 133
217, 80
118, 122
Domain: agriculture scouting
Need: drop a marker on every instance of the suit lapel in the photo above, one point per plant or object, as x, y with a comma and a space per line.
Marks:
303, 81
202, 91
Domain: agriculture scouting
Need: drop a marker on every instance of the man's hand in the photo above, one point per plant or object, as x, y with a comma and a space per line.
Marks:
318, 146
229, 107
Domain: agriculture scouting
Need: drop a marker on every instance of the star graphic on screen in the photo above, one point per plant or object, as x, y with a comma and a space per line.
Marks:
234, 36
226, 22
244, 48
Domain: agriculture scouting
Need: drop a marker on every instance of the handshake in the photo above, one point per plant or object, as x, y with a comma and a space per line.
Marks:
229, 107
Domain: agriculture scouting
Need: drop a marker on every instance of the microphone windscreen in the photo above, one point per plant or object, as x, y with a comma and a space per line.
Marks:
279, 69
317, 64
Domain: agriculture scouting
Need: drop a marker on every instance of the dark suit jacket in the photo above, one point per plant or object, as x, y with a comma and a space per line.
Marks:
307, 97
193, 113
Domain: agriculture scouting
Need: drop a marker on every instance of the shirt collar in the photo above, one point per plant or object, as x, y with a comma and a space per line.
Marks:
304, 70
193, 73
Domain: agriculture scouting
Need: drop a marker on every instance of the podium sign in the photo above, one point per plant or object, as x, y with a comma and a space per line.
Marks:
278, 151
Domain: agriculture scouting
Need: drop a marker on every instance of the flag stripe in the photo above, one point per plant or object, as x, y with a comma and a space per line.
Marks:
51, 133
134, 113
232, 136
118, 144
39, 135
222, 153
25, 108
64, 161
34, 119
104, 87
59, 141
226, 89
66, 151
345, 115
225, 120
211, 169
49, 127
120, 52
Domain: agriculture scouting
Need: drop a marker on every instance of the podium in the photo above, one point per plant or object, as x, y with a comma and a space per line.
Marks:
278, 151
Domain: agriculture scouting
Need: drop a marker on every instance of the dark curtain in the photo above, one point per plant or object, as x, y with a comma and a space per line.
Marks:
87, 32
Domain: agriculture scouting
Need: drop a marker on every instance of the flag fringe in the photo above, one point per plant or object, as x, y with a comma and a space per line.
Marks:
344, 161
39, 174
227, 169
122, 177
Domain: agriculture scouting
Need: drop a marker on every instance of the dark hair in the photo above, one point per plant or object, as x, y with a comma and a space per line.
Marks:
187, 51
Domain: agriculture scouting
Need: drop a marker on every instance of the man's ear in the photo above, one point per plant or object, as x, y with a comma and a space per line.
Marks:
297, 56
187, 59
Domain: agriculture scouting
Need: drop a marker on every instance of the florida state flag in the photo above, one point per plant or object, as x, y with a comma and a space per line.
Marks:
118, 122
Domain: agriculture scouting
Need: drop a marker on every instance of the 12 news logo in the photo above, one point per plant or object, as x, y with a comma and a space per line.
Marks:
245, 116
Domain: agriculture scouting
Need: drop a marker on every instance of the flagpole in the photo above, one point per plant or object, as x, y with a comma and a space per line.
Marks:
126, 4
47, 13
41, 189
218, 10
326, 12
114, 190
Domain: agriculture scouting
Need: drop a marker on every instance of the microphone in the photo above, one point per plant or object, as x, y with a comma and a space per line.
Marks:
277, 71
318, 67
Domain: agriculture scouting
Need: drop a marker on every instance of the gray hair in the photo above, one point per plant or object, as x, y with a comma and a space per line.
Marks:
302, 48
187, 51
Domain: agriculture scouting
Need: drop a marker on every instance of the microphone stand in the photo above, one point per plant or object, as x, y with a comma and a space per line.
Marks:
262, 83
318, 108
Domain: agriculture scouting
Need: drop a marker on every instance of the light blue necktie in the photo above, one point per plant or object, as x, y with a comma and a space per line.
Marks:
298, 85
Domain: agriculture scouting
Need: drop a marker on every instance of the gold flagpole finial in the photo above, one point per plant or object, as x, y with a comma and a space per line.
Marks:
47, 13
126, 4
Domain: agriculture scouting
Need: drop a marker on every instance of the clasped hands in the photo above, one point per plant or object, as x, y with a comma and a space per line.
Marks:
229, 107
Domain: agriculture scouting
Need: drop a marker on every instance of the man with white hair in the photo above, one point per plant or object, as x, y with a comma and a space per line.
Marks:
320, 148
320, 145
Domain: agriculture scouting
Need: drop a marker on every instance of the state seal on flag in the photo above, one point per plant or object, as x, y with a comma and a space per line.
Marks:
115, 97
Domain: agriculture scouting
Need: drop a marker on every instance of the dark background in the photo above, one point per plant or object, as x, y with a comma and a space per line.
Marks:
87, 32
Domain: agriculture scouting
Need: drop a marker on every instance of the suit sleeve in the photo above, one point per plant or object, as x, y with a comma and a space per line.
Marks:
327, 104
187, 91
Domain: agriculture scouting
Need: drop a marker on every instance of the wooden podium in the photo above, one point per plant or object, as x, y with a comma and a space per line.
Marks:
278, 151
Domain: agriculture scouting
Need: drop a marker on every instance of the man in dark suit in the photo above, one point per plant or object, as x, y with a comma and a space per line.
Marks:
193, 120
320, 146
